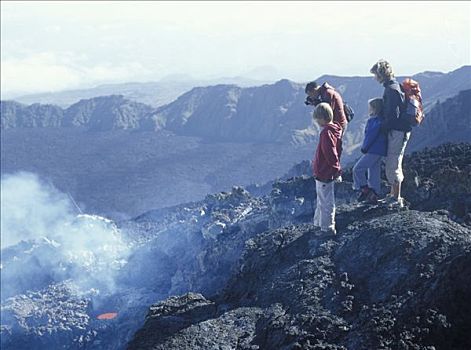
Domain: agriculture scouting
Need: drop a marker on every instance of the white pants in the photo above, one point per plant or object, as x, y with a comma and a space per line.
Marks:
324, 216
397, 141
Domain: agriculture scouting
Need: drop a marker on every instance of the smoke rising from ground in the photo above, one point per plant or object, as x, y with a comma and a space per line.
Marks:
44, 240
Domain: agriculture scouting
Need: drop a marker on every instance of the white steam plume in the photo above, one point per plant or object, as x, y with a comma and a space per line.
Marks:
41, 232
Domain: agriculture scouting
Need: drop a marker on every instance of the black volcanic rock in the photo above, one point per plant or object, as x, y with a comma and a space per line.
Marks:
391, 279
47, 318
383, 283
440, 178
254, 273
194, 245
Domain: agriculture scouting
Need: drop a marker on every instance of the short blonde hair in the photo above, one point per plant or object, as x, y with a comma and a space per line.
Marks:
323, 111
383, 69
376, 105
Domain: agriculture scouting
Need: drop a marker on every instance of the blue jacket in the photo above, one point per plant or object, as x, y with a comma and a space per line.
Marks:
394, 100
375, 142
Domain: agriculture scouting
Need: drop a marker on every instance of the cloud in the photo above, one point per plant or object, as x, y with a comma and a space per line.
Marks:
35, 73
143, 41
48, 71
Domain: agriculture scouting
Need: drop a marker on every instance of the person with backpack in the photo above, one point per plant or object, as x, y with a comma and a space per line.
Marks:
397, 127
326, 93
367, 170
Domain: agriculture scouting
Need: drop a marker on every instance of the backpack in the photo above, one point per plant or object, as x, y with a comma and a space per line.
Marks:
412, 110
349, 112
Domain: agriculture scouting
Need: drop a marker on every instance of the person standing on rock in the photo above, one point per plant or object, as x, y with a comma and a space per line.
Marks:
326, 167
374, 148
398, 129
326, 93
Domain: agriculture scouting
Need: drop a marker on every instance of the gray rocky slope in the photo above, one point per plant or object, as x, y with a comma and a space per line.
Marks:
234, 271
390, 280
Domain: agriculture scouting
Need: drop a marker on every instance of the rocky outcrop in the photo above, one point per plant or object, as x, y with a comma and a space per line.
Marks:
46, 318
383, 283
440, 178
245, 272
436, 178
193, 246
389, 280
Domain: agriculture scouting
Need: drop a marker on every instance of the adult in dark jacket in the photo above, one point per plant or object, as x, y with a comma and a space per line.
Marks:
326, 93
396, 127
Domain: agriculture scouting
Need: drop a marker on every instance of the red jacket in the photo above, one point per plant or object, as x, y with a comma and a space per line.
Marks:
329, 95
326, 162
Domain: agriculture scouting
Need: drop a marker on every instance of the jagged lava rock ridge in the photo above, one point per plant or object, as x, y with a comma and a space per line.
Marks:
391, 279
372, 288
260, 276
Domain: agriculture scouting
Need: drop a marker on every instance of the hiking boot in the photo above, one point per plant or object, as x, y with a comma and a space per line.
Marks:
372, 197
365, 190
389, 199
400, 202
329, 230
393, 201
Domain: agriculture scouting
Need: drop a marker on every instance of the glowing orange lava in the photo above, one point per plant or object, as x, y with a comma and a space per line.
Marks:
107, 316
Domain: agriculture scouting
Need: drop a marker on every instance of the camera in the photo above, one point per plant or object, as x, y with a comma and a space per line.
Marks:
311, 101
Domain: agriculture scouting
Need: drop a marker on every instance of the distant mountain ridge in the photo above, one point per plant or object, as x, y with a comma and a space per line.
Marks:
118, 157
99, 113
447, 121
14, 115
227, 112
266, 113
106, 113
154, 94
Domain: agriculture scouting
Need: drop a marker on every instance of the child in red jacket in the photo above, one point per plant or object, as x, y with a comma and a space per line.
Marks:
326, 167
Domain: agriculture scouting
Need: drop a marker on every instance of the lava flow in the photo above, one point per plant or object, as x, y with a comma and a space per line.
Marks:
107, 316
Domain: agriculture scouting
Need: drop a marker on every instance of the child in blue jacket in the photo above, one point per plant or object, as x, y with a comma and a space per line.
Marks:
367, 171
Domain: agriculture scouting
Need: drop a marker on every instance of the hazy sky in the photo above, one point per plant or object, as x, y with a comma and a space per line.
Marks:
48, 46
